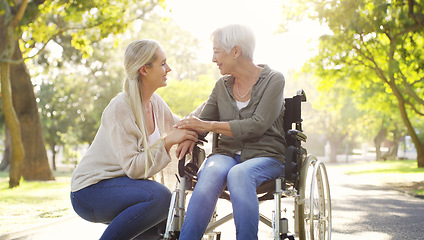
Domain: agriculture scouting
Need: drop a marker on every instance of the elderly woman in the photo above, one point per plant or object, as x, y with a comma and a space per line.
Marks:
246, 108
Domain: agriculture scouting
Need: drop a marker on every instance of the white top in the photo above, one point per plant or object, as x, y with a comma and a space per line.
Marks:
155, 135
241, 105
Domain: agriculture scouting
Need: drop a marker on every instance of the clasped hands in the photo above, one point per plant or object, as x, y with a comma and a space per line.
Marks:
194, 124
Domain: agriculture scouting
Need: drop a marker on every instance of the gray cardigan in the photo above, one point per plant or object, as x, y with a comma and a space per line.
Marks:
257, 128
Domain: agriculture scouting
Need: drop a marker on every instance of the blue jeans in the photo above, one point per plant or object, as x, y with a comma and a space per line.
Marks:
130, 207
242, 179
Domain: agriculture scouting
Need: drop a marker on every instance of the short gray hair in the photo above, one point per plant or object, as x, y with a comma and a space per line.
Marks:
236, 35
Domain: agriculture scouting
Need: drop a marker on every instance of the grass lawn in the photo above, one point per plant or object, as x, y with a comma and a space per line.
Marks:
402, 175
33, 203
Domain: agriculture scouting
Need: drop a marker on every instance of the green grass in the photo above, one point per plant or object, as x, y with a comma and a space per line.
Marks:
34, 202
403, 174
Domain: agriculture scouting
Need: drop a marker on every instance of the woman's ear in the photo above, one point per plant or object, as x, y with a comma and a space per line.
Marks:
237, 51
143, 71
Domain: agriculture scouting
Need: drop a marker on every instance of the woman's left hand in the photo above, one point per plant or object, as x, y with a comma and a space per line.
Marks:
195, 124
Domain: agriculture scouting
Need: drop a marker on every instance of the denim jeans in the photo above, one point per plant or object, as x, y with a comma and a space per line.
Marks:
242, 179
130, 207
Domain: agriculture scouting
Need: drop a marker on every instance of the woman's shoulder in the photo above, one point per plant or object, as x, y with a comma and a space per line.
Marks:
117, 107
272, 72
119, 101
270, 75
224, 81
158, 101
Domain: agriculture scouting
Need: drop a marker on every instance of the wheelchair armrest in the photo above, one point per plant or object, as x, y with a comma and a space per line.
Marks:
297, 134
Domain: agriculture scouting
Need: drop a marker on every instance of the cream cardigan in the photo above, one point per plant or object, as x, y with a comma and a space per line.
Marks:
117, 147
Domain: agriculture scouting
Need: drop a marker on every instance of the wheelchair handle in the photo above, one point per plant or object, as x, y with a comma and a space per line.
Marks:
302, 95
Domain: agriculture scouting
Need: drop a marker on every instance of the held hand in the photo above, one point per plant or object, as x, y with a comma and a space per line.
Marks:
185, 147
177, 136
195, 124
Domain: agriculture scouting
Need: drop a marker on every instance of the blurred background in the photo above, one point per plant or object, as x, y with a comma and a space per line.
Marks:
359, 62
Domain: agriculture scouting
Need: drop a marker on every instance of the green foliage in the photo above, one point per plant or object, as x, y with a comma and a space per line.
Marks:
185, 96
374, 55
71, 102
85, 21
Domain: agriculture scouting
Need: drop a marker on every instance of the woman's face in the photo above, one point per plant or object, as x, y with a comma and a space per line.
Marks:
157, 71
223, 60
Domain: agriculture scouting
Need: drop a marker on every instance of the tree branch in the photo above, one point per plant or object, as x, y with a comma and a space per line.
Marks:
407, 102
418, 19
418, 81
410, 91
19, 14
371, 59
19, 61
6, 7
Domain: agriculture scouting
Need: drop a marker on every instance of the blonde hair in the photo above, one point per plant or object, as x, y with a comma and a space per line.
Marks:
138, 54
236, 35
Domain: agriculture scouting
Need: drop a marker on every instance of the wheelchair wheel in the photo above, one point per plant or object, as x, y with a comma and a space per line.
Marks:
314, 203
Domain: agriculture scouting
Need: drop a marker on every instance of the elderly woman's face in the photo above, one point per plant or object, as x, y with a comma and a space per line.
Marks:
223, 60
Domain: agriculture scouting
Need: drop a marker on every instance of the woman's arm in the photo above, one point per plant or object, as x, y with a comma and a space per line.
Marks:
202, 126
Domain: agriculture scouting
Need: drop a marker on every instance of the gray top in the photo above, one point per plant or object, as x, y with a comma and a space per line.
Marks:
258, 128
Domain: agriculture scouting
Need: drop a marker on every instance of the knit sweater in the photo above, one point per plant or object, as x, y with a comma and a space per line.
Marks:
117, 148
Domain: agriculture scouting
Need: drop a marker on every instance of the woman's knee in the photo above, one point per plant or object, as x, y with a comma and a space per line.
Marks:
239, 173
161, 196
217, 166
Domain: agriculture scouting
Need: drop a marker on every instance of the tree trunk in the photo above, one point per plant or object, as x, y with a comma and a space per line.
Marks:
378, 140
36, 165
419, 146
53, 149
7, 38
5, 162
420, 156
393, 151
335, 144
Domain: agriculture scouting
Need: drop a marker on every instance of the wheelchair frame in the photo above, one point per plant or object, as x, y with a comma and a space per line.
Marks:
305, 179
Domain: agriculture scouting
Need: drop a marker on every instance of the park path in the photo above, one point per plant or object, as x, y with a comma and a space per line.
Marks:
361, 210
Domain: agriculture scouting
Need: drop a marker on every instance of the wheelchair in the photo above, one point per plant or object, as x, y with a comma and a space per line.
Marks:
305, 180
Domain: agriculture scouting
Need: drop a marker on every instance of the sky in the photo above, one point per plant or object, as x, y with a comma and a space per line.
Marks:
282, 52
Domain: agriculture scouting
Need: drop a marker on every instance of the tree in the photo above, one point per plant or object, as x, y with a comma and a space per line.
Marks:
8, 23
381, 41
337, 116
31, 26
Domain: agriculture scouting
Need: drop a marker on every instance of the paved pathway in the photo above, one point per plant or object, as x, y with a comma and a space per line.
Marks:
361, 210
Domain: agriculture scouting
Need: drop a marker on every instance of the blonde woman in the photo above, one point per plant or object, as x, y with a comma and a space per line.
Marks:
111, 183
